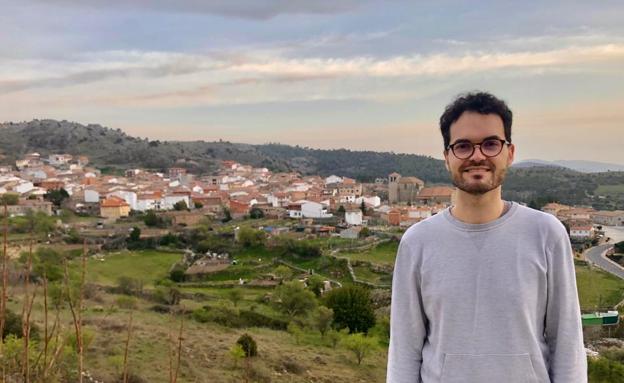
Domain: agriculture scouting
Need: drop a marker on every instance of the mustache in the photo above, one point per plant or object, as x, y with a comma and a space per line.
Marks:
484, 163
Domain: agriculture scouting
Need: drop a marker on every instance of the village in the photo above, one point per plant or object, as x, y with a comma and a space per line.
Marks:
243, 248
334, 205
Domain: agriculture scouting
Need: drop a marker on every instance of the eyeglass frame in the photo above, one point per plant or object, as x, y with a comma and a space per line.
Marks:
451, 147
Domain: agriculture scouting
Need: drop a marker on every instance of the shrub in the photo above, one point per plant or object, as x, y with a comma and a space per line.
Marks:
293, 299
360, 345
129, 286
322, 319
177, 273
256, 213
126, 302
237, 353
249, 237
255, 319
248, 344
352, 308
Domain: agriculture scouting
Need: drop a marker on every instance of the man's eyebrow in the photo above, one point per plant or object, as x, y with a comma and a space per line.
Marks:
486, 138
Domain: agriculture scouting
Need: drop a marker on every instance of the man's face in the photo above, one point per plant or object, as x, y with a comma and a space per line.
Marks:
478, 174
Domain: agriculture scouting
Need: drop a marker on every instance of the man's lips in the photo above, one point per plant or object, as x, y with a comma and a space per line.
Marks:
477, 169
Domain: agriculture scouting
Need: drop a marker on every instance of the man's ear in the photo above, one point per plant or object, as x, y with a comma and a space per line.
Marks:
511, 155
446, 164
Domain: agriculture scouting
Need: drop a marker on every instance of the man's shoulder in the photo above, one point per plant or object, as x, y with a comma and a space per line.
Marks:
543, 222
425, 228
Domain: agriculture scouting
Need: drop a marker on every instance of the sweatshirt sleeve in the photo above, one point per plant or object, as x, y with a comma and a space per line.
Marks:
563, 329
407, 321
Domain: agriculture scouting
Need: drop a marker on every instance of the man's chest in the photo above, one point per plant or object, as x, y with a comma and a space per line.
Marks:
485, 272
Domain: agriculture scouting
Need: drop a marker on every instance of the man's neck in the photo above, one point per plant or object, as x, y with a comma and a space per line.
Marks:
475, 209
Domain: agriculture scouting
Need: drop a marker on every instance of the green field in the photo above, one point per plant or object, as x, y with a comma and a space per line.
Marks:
384, 253
365, 274
598, 289
612, 190
147, 266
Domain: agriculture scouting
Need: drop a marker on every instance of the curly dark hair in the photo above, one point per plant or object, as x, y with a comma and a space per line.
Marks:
479, 102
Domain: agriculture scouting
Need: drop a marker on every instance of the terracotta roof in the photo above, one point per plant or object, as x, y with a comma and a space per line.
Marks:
411, 180
113, 202
436, 191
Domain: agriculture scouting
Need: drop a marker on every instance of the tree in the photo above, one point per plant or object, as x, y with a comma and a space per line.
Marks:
364, 232
248, 344
381, 330
619, 247
295, 330
249, 237
135, 235
360, 345
256, 213
180, 205
293, 299
198, 205
315, 284
363, 207
152, 220
177, 273
9, 199
283, 272
235, 295
56, 196
227, 216
352, 308
46, 261
323, 318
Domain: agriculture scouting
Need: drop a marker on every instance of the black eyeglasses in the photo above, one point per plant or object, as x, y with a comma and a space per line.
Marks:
490, 147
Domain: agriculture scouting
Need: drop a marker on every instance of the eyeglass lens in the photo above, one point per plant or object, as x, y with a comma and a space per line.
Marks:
489, 148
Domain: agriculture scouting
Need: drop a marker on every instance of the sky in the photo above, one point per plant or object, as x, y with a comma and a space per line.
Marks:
362, 75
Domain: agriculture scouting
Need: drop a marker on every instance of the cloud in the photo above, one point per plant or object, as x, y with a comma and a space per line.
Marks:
245, 9
162, 78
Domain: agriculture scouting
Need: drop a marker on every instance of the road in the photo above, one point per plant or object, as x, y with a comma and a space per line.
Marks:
596, 256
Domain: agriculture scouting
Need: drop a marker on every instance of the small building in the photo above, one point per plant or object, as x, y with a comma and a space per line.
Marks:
353, 217
436, 194
25, 205
608, 218
581, 232
311, 209
114, 207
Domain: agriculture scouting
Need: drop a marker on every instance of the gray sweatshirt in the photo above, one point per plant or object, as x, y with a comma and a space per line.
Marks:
493, 302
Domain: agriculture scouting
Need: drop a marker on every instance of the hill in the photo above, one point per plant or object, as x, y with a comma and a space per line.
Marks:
112, 149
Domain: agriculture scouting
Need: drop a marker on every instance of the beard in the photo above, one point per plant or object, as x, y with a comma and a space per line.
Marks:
478, 184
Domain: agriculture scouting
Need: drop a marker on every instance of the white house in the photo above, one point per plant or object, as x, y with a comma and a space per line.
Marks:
311, 209
333, 180
91, 196
609, 218
59, 159
353, 217
419, 212
581, 232
147, 202
373, 201
24, 187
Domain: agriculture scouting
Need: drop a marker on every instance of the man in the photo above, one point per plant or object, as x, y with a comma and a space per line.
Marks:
485, 290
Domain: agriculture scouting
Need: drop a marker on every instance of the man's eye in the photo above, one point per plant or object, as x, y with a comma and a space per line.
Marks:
463, 146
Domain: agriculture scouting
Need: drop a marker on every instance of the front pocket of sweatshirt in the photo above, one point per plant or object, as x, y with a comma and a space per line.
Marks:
470, 368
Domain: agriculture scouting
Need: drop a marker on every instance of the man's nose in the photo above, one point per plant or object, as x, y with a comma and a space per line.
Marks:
477, 155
